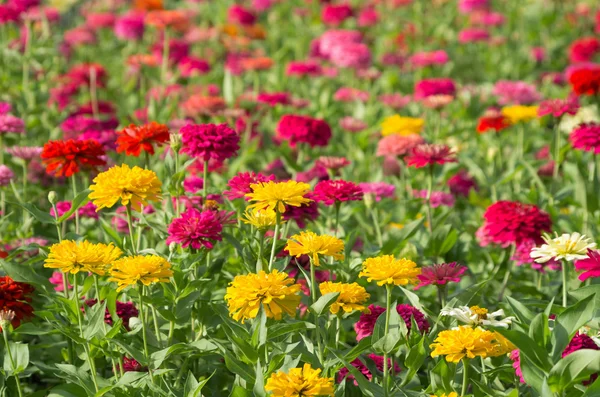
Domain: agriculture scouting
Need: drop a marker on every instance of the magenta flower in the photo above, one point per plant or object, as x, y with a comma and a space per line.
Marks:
351, 55
240, 15
332, 192
423, 59
57, 281
302, 215
441, 274
586, 137
431, 87
378, 189
358, 364
131, 365
559, 107
303, 129
125, 311
366, 323
349, 94
522, 256
6, 175
274, 98
515, 358
426, 154
239, 185
436, 199
332, 163
62, 208
193, 184
209, 141
10, 123
516, 92
461, 183
590, 265
195, 229
335, 14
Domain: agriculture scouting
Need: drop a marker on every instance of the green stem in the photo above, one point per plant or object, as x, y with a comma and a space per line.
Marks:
130, 226
428, 200
377, 227
338, 330
338, 204
388, 303
556, 152
86, 345
564, 271
112, 360
465, 383
156, 328
12, 362
177, 210
144, 338
275, 237
441, 289
74, 184
313, 296
509, 267
204, 181
259, 259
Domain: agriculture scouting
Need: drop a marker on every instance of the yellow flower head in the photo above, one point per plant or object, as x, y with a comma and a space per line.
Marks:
275, 291
276, 195
309, 243
132, 186
260, 219
500, 345
299, 382
146, 269
520, 113
74, 257
399, 125
386, 269
352, 296
453, 394
462, 342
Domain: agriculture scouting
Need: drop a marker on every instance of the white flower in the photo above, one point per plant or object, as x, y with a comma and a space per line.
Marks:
568, 247
476, 316
586, 114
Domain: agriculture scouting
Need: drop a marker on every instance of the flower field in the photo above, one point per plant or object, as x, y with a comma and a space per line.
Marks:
295, 198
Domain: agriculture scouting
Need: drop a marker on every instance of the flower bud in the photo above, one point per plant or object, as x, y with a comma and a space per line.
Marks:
175, 141
6, 317
52, 197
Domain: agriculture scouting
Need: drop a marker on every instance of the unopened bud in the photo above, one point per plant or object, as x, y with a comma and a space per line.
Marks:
52, 197
368, 199
6, 317
175, 141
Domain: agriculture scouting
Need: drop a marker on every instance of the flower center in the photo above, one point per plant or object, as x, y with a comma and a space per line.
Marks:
480, 311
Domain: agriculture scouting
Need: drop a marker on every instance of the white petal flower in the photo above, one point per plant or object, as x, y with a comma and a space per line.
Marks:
476, 316
501, 322
463, 314
569, 247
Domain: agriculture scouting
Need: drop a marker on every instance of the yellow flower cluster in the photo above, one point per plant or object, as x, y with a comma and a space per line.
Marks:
352, 297
73, 257
299, 382
275, 291
388, 270
469, 342
309, 243
399, 125
520, 113
276, 195
145, 269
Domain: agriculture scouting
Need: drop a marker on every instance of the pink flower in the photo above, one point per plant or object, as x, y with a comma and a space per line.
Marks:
316, 172
11, 124
362, 368
332, 163
336, 191
209, 141
192, 66
275, 98
441, 274
559, 107
368, 17
26, 153
436, 199
130, 26
467, 6
334, 38
62, 208
351, 55
522, 257
378, 189
193, 184
428, 154
239, 185
88, 211
5, 107
395, 101
303, 129
57, 280
580, 341
195, 229
461, 183
6, 175
487, 18
366, 323
333, 14
178, 50
584, 49
100, 20
239, 15
538, 54
131, 365
307, 68
473, 35
516, 92
514, 356
438, 86
348, 94
302, 215
423, 59
590, 266
351, 124
398, 145
586, 137
512, 222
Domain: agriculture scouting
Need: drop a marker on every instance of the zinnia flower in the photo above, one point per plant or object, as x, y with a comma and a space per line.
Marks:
586, 80
133, 139
65, 158
125, 311
209, 141
260, 219
496, 122
511, 222
477, 316
195, 229
387, 270
567, 246
559, 107
144, 269
309, 243
366, 323
16, 297
332, 192
26, 153
73, 257
520, 113
239, 185
586, 137
352, 296
303, 129
461, 183
464, 341
275, 291
426, 154
515, 358
590, 265
441, 274
378, 190
6, 175
398, 145
276, 195
304, 381
132, 186
434, 87
399, 125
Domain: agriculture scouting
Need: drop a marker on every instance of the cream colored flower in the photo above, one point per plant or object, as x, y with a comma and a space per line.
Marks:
569, 247
477, 316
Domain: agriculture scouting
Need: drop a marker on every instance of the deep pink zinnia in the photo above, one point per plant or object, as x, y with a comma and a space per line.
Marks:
378, 190
274, 98
303, 68
579, 342
515, 358
461, 183
438, 86
209, 141
423, 59
511, 222
351, 55
590, 266
332, 192
239, 185
586, 137
358, 364
441, 274
584, 49
366, 323
430, 154
240, 15
436, 198
195, 229
559, 107
11, 124
131, 365
303, 129
334, 14
473, 35
125, 311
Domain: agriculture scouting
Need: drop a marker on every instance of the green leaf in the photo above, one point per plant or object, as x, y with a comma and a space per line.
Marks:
539, 331
259, 384
397, 332
584, 292
277, 330
193, 388
324, 302
160, 356
415, 358
95, 324
39, 215
569, 321
369, 389
527, 347
20, 355
67, 390
524, 315
239, 368
79, 201
574, 368
448, 243
23, 273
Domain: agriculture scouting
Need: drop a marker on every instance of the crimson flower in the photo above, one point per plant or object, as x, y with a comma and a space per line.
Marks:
585, 81
133, 139
16, 296
209, 141
65, 158
196, 229
430, 154
440, 274
330, 192
586, 137
495, 122
590, 265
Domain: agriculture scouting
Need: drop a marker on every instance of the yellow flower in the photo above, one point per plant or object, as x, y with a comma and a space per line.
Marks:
399, 125
132, 186
275, 291
276, 195
299, 382
260, 219
462, 342
309, 243
386, 269
352, 296
520, 113
453, 394
146, 269
73, 257
500, 345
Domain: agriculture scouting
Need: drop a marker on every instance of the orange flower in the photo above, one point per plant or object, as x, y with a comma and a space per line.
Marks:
175, 19
258, 63
139, 60
147, 5
203, 105
133, 139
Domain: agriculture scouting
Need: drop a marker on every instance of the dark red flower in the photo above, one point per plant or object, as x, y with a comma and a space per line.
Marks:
461, 183
131, 365
579, 342
366, 323
303, 214
133, 139
585, 81
16, 296
430, 154
335, 191
65, 158
303, 129
511, 222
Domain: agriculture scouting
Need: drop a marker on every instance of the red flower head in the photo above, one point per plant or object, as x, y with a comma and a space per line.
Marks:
131, 365
430, 154
585, 81
196, 229
512, 222
335, 191
334, 14
584, 49
440, 274
133, 139
586, 137
207, 141
16, 296
65, 158
494, 122
590, 265
303, 129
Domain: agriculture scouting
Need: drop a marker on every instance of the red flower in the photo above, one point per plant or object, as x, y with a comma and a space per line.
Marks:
302, 129
65, 158
430, 154
586, 81
584, 49
335, 191
15, 296
512, 222
133, 139
496, 123
441, 274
